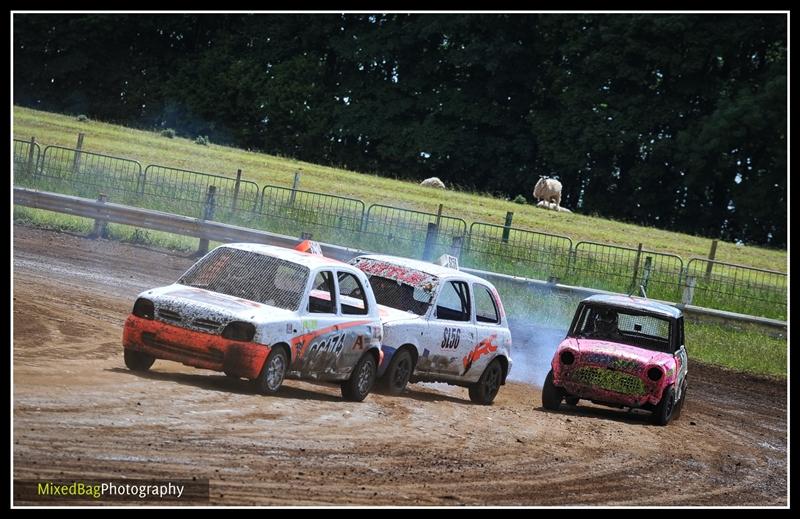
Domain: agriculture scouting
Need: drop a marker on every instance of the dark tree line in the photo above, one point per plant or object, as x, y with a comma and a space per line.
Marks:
671, 121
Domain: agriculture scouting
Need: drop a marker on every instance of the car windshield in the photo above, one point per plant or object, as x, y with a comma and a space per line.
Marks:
402, 296
625, 326
249, 275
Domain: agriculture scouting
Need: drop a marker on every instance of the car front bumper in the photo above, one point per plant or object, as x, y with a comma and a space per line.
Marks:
194, 348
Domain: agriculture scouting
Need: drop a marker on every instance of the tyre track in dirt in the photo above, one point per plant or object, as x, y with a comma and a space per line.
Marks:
79, 413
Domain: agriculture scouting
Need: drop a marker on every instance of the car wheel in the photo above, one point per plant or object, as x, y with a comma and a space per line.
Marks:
273, 372
398, 373
571, 400
358, 386
138, 360
551, 395
665, 409
485, 389
679, 406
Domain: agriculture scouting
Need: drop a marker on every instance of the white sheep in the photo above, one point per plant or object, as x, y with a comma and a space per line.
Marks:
433, 182
548, 189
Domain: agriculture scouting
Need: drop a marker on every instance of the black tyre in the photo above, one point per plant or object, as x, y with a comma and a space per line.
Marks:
665, 409
551, 395
485, 389
273, 372
138, 360
398, 373
571, 400
679, 406
360, 383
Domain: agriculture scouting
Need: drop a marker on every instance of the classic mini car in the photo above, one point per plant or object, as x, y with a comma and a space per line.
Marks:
263, 313
439, 325
622, 352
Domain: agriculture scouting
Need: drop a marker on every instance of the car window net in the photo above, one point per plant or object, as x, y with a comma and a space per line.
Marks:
249, 275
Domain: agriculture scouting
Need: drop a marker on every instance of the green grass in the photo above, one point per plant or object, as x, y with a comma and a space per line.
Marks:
77, 225
333, 220
152, 148
740, 347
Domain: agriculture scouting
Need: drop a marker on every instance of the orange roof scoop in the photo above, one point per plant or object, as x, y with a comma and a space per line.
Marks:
309, 246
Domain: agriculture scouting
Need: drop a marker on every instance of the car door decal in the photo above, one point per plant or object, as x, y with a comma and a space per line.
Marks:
487, 345
302, 343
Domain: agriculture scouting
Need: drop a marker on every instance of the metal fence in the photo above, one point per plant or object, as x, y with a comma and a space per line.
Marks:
399, 231
87, 174
26, 158
727, 286
515, 251
404, 232
294, 211
189, 189
625, 269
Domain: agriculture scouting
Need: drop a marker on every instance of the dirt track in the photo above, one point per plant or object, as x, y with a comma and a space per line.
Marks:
78, 412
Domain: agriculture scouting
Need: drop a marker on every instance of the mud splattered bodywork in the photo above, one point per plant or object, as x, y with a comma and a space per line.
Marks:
451, 323
240, 301
622, 351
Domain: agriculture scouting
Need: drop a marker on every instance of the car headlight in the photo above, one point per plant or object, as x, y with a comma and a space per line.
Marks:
239, 331
144, 308
655, 374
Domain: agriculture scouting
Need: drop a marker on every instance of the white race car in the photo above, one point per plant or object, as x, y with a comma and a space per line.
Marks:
439, 325
263, 313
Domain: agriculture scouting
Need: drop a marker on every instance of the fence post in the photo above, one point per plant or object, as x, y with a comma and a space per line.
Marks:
430, 240
100, 229
455, 248
507, 226
688, 290
711, 255
439, 216
76, 162
236, 190
31, 166
208, 214
636, 267
648, 265
294, 188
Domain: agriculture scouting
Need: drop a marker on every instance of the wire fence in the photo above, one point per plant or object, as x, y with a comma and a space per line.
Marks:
407, 232
400, 231
625, 269
520, 252
737, 288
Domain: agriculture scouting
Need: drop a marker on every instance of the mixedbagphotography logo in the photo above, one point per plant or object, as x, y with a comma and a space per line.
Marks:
84, 490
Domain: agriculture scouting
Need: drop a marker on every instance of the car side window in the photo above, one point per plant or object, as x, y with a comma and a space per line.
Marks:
454, 302
351, 295
485, 305
321, 299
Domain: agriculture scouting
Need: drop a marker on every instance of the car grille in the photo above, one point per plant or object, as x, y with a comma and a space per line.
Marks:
609, 380
207, 325
169, 315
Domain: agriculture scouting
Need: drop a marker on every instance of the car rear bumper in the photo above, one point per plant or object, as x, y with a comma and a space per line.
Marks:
194, 348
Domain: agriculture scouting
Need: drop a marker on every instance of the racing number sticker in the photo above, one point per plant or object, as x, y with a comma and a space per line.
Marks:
452, 336
333, 344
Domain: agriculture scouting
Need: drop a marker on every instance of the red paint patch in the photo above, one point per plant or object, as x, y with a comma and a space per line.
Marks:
487, 345
193, 348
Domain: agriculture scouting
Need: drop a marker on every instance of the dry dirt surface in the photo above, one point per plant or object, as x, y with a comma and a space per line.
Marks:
79, 414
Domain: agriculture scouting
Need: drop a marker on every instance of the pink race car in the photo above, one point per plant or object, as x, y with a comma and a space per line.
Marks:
621, 352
